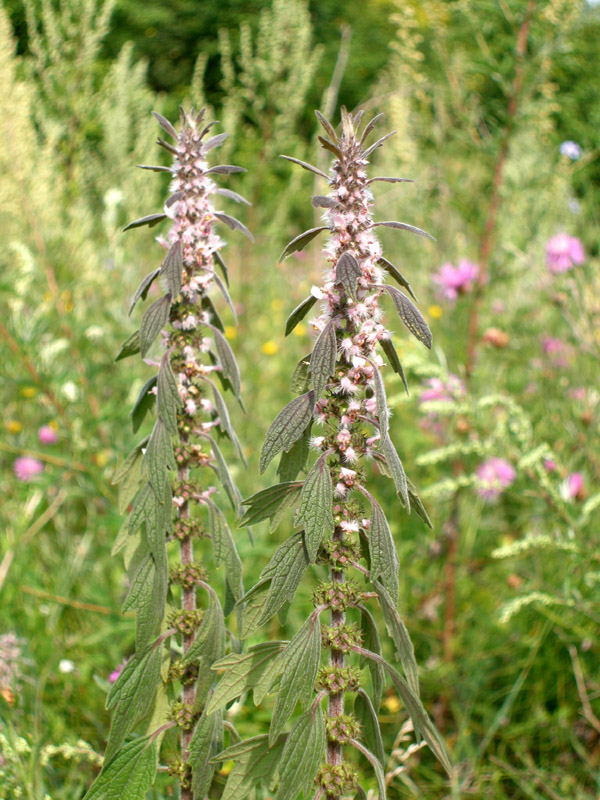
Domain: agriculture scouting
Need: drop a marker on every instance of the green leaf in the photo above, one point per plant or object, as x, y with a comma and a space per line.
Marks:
288, 427
143, 288
323, 358
145, 401
399, 633
232, 223
130, 346
243, 671
225, 293
219, 259
255, 761
392, 356
300, 242
299, 313
316, 506
294, 460
224, 420
129, 476
168, 400
301, 663
383, 416
225, 550
347, 273
373, 642
265, 504
404, 226
410, 315
388, 451
172, 269
417, 504
227, 360
150, 221
159, 457
382, 551
302, 754
210, 636
209, 306
376, 764
142, 510
396, 275
253, 603
147, 595
129, 774
224, 475
203, 745
131, 696
363, 708
300, 380
285, 569
153, 321
308, 167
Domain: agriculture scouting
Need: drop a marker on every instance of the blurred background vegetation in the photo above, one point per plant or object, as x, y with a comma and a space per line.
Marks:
501, 597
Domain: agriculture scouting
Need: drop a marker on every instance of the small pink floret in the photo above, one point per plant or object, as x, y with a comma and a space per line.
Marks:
456, 280
26, 468
493, 477
563, 252
575, 485
47, 435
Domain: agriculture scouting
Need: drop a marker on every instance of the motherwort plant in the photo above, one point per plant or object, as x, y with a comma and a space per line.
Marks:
169, 480
340, 416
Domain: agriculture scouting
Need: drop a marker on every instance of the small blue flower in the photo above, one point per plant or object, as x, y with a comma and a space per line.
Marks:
570, 150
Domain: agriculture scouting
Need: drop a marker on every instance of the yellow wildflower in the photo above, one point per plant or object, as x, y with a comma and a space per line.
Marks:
435, 312
270, 348
13, 426
300, 329
28, 391
230, 332
276, 304
392, 704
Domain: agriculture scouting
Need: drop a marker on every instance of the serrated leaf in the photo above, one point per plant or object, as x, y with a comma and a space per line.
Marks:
347, 273
143, 288
410, 316
168, 400
299, 313
381, 403
225, 551
370, 730
153, 321
129, 475
388, 451
255, 761
151, 220
323, 358
141, 508
131, 696
233, 223
264, 504
403, 226
227, 360
285, 569
130, 346
203, 745
147, 595
159, 458
302, 755
243, 671
397, 630
300, 242
301, 663
306, 166
128, 775
145, 401
392, 356
253, 604
382, 551
396, 275
294, 460
288, 427
210, 636
172, 269
316, 507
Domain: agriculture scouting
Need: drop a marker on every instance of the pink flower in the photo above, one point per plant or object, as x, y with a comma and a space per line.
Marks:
493, 476
456, 280
575, 486
47, 435
451, 389
27, 468
563, 252
549, 465
112, 678
559, 350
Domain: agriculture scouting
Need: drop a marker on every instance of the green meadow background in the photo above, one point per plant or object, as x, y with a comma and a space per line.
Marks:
501, 597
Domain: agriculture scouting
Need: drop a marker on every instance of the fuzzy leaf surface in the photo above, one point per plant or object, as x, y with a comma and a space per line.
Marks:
347, 274
384, 559
130, 346
370, 730
227, 360
172, 269
159, 458
143, 288
392, 459
396, 275
168, 400
300, 242
128, 775
392, 356
383, 415
306, 166
150, 221
294, 460
203, 745
410, 316
264, 504
288, 426
147, 595
243, 671
145, 401
285, 569
233, 223
225, 551
255, 761
303, 752
404, 226
316, 506
323, 358
153, 321
398, 631
299, 313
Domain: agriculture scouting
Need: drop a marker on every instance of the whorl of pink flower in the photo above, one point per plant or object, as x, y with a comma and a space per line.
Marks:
453, 388
47, 435
575, 485
563, 252
493, 477
456, 280
26, 468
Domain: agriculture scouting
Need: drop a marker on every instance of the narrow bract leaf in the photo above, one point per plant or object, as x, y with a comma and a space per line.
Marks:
403, 226
225, 551
172, 269
301, 662
224, 475
153, 321
155, 168
210, 633
347, 274
287, 427
224, 169
372, 640
165, 125
128, 476
417, 504
253, 604
318, 201
316, 507
300, 242
285, 569
388, 451
377, 144
381, 402
130, 346
384, 559
377, 766
151, 220
147, 595
143, 288
227, 360
323, 358
299, 313
145, 401
396, 275
399, 633
214, 141
306, 166
237, 198
369, 127
390, 180
159, 457
168, 400
226, 295
410, 316
233, 223
303, 752
332, 148
209, 306
203, 745
367, 716
327, 126
392, 356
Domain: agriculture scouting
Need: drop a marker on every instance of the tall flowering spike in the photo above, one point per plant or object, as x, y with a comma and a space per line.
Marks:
340, 414
168, 479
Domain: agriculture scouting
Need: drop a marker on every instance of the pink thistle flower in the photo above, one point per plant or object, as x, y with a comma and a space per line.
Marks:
574, 486
493, 477
563, 252
453, 388
26, 468
47, 435
559, 351
456, 280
